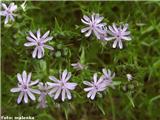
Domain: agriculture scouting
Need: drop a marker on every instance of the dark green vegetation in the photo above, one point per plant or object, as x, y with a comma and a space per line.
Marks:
140, 57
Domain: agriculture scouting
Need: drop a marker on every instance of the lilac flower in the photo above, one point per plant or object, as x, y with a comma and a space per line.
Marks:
39, 43
108, 76
129, 77
78, 66
119, 34
61, 86
44, 89
95, 87
93, 25
8, 12
24, 87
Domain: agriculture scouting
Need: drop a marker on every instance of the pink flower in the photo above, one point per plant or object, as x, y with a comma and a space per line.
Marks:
25, 87
8, 12
61, 86
39, 43
119, 34
93, 25
96, 86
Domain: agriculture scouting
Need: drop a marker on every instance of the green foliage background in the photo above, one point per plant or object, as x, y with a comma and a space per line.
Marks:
140, 57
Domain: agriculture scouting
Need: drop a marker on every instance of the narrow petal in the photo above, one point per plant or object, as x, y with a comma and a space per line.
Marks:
38, 34
68, 76
29, 77
15, 90
115, 44
53, 90
4, 6
85, 29
89, 94
68, 94
86, 18
95, 78
53, 78
97, 34
40, 53
24, 76
32, 35
126, 38
25, 98
120, 44
48, 47
30, 44
20, 97
45, 35
87, 83
88, 89
71, 86
88, 33
6, 19
64, 74
47, 39
34, 52
31, 95
93, 94
63, 94
34, 82
35, 91
115, 27
19, 78
30, 39
85, 22
57, 93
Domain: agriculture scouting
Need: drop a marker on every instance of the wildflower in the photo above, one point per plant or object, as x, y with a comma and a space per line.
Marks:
44, 89
39, 43
95, 87
78, 66
24, 87
108, 76
119, 34
93, 25
8, 12
129, 77
61, 86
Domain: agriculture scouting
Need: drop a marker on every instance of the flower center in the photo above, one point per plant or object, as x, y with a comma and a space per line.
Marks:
24, 87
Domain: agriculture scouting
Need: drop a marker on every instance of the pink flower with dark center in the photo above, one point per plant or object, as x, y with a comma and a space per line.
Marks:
61, 86
25, 87
119, 34
8, 12
39, 43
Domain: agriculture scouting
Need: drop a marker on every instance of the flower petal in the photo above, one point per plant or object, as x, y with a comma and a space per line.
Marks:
48, 47
20, 97
15, 90
45, 35
35, 52
30, 44
31, 95
57, 93
25, 98
63, 94
68, 94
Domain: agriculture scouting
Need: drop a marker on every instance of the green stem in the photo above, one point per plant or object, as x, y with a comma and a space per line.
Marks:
112, 106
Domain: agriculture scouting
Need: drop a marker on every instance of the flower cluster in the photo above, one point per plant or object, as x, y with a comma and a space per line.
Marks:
101, 31
59, 87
